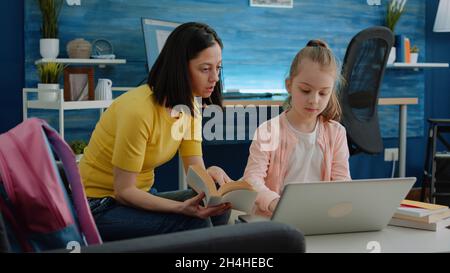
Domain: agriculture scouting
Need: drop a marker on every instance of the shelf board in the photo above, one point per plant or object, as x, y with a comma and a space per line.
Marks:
82, 61
397, 101
70, 105
418, 65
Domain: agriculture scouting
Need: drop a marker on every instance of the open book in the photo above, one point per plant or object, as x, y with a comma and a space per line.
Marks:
240, 194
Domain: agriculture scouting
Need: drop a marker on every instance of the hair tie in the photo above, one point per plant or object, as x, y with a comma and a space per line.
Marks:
316, 43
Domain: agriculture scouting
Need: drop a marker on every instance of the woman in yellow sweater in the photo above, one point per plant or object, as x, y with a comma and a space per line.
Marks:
146, 127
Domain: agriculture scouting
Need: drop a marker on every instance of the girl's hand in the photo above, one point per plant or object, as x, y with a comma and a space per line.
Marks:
218, 175
192, 207
273, 204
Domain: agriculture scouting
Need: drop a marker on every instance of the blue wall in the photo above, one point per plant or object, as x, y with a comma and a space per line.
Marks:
259, 43
437, 81
337, 20
11, 63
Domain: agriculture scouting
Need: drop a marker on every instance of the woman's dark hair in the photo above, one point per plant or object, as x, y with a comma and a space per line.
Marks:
169, 77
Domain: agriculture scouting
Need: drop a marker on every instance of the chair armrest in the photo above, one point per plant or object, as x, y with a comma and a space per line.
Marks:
258, 237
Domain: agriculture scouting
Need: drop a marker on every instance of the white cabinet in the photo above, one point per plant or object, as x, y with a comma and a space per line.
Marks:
61, 105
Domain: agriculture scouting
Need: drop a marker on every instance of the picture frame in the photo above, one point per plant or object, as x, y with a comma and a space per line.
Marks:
78, 83
272, 3
156, 33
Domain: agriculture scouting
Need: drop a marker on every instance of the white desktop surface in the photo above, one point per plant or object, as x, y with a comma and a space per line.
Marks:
391, 239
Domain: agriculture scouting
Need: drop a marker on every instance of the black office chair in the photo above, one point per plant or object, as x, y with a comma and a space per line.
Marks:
436, 170
363, 70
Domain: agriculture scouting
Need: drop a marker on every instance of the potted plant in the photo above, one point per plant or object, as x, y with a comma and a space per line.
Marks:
414, 54
49, 43
394, 11
49, 74
78, 148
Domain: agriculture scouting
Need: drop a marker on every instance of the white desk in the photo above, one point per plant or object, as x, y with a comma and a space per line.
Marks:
402, 103
390, 239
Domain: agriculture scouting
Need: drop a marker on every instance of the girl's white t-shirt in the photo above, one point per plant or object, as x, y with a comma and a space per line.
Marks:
305, 164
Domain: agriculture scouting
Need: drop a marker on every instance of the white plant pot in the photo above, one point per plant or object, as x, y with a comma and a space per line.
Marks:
48, 92
49, 48
78, 157
414, 58
392, 56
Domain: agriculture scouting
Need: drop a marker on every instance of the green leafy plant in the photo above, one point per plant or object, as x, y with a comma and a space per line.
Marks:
414, 49
395, 9
50, 10
50, 72
78, 146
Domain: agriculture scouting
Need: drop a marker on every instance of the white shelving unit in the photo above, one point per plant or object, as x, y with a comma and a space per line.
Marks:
99, 62
61, 105
417, 65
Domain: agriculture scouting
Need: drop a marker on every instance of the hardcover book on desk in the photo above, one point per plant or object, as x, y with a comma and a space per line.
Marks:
421, 215
441, 224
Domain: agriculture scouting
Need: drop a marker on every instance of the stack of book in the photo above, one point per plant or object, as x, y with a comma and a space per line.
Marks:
421, 215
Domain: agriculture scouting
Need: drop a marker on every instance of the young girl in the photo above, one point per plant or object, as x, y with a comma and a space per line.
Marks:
136, 135
310, 145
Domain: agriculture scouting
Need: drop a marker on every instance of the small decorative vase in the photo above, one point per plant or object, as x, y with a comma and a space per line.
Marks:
79, 49
103, 90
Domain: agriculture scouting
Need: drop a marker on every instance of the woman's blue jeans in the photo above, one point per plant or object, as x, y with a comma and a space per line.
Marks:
117, 222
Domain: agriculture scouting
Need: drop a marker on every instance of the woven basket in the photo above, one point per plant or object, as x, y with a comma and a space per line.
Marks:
79, 49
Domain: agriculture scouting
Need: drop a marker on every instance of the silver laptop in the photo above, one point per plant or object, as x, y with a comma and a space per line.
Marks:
340, 206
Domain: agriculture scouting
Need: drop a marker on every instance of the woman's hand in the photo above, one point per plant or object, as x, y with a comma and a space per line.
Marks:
273, 204
192, 207
218, 175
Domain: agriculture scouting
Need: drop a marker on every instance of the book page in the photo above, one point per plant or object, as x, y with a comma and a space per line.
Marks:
418, 212
240, 194
242, 200
199, 180
234, 185
432, 218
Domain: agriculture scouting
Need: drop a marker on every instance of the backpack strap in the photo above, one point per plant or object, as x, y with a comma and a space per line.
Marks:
65, 154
